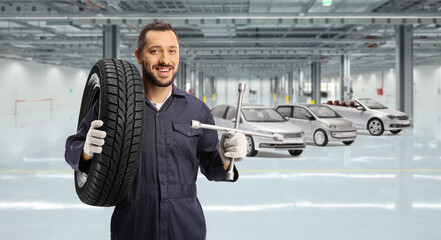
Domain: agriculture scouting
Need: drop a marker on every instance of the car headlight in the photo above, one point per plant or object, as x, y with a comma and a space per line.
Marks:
392, 117
331, 126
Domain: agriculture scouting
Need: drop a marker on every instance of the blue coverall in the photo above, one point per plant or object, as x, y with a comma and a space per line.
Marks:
162, 202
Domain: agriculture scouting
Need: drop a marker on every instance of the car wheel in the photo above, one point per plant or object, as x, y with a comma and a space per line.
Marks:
119, 90
375, 127
251, 152
295, 152
320, 138
348, 142
396, 131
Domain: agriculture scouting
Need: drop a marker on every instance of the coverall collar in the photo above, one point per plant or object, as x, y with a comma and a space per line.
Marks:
177, 91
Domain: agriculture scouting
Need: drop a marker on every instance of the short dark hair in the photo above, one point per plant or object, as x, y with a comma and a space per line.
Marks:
156, 26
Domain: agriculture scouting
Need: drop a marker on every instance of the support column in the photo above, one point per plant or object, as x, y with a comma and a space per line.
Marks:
273, 90
276, 87
290, 87
213, 87
301, 98
111, 40
301, 82
182, 75
316, 81
404, 69
201, 85
192, 81
345, 78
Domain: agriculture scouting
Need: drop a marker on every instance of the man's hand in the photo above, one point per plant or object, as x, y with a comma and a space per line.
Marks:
232, 145
94, 140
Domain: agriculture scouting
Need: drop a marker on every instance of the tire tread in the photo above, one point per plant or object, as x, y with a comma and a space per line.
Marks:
122, 110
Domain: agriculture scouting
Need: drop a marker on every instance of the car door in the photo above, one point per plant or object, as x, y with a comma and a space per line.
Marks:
301, 120
355, 115
219, 113
286, 111
228, 121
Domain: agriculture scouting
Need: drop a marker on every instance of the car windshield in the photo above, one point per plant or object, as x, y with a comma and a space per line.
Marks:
324, 112
262, 115
372, 104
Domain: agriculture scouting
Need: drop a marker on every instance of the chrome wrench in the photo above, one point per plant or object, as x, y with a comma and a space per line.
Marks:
196, 124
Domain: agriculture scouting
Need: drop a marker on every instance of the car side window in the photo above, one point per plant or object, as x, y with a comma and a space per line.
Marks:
300, 113
231, 113
219, 112
285, 111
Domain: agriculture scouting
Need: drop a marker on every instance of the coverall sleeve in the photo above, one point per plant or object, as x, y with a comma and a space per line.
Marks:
208, 151
75, 143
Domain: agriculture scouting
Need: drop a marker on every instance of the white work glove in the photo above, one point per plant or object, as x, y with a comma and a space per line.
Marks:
94, 138
232, 145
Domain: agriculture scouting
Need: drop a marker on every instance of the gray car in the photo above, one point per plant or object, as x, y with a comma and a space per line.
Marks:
368, 114
259, 118
320, 123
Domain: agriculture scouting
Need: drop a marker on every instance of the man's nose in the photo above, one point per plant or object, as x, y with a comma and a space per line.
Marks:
164, 59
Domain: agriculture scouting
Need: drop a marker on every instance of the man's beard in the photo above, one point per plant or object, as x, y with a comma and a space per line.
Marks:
150, 77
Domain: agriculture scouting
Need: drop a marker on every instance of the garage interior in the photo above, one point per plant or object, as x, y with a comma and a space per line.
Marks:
286, 51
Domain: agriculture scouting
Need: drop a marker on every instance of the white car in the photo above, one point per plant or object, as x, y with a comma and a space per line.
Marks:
259, 118
368, 114
320, 123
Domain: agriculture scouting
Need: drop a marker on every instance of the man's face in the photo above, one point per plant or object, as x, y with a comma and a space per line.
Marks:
160, 57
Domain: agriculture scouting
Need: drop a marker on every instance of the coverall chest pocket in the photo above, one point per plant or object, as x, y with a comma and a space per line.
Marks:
185, 138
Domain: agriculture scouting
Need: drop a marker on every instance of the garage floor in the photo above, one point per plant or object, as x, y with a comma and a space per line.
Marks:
386, 187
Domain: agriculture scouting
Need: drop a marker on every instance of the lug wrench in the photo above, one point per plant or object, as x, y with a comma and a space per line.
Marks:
196, 124
241, 89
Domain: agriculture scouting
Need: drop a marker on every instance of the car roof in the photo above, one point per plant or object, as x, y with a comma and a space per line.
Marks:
300, 104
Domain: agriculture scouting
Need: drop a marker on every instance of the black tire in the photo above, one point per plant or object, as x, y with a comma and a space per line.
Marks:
348, 142
375, 127
320, 138
251, 152
118, 87
396, 131
295, 152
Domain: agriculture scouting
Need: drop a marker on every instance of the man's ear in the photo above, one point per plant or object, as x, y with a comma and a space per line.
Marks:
138, 56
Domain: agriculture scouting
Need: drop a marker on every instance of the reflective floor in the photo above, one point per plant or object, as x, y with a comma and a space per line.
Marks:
386, 187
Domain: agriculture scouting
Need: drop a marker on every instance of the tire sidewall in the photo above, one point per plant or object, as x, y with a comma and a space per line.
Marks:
325, 138
250, 146
381, 124
92, 93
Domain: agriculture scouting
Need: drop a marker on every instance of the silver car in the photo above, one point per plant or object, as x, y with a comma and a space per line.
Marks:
259, 118
369, 114
320, 123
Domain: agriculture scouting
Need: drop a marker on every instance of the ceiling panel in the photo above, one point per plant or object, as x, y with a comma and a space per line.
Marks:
218, 33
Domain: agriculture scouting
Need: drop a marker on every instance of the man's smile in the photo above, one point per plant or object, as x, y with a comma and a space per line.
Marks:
163, 71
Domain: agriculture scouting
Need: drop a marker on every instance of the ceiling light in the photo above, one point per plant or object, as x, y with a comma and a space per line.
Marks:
326, 3
20, 45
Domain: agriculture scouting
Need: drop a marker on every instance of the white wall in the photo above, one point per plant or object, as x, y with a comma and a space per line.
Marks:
30, 81
227, 91
427, 86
